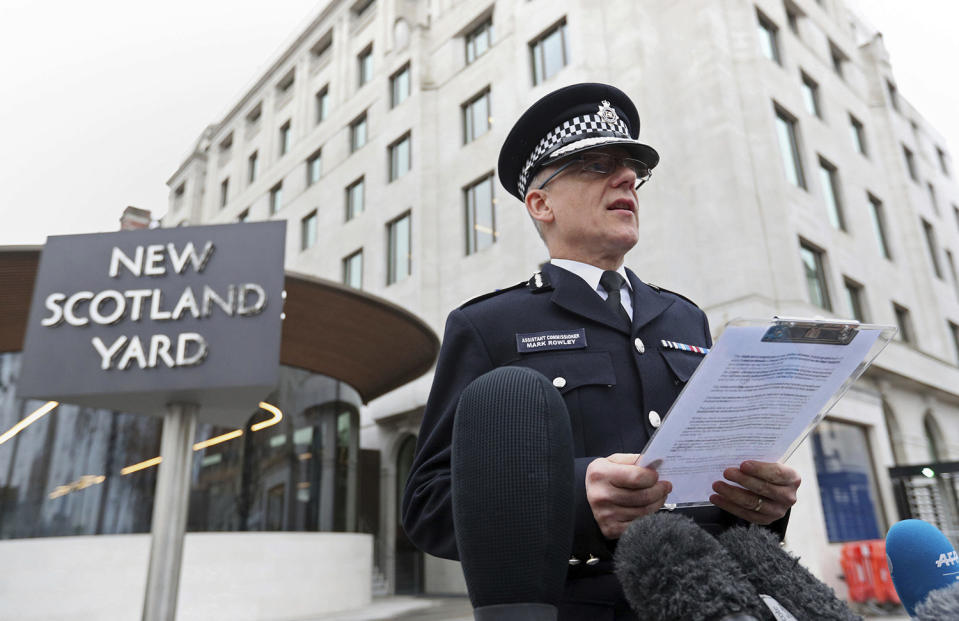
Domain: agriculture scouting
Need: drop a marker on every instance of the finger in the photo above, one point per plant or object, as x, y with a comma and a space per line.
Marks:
624, 458
761, 487
756, 517
637, 498
775, 473
748, 502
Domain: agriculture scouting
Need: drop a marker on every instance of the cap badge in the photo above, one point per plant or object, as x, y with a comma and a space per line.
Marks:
607, 113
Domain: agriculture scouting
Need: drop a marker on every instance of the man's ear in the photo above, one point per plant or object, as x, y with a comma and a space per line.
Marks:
537, 206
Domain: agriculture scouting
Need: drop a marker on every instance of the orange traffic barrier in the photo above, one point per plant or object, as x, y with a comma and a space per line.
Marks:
881, 577
856, 567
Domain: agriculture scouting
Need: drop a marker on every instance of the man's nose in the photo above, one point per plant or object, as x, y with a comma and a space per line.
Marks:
623, 174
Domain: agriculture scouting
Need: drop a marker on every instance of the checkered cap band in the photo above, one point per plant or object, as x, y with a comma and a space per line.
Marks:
575, 129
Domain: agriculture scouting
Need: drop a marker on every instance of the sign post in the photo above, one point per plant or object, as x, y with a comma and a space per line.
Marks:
170, 504
182, 323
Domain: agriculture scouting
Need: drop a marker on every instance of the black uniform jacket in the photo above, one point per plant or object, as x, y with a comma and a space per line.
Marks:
611, 386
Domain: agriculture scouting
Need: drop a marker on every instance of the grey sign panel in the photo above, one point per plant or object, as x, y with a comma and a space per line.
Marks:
138, 319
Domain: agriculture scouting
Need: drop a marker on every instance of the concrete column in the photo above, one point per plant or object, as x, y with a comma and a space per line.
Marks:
170, 504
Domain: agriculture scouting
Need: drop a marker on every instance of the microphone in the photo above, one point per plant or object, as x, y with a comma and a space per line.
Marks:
774, 572
940, 604
921, 559
670, 568
512, 494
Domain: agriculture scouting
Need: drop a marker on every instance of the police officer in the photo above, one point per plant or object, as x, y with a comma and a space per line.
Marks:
604, 337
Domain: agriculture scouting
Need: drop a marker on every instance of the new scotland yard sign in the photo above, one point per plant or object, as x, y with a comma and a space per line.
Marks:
138, 319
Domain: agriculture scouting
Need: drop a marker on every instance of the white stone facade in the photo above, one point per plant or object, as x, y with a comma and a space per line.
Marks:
720, 220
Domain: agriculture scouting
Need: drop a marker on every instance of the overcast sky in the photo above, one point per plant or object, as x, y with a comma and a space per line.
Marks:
102, 100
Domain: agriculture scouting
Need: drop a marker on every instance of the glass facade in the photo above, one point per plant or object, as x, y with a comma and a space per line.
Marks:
86, 471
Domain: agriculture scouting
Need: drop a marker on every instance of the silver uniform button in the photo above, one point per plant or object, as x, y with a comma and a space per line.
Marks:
574, 561
592, 560
559, 382
655, 419
639, 346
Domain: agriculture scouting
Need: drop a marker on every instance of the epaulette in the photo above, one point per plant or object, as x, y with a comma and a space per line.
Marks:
539, 283
678, 295
480, 298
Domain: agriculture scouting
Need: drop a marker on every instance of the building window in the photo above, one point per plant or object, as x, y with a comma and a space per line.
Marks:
847, 482
400, 86
286, 137
353, 270
400, 257
224, 192
276, 198
548, 53
893, 93
954, 330
285, 86
354, 199
769, 38
364, 66
399, 157
479, 40
360, 8
476, 116
932, 198
812, 259
858, 134
480, 215
244, 215
793, 13
789, 147
951, 263
253, 116
308, 231
943, 161
910, 163
251, 167
810, 91
933, 247
838, 58
322, 104
904, 322
854, 295
226, 145
321, 47
879, 225
180, 192
829, 178
314, 167
358, 133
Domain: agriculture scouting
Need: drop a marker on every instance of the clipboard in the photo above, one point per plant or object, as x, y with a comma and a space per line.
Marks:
758, 393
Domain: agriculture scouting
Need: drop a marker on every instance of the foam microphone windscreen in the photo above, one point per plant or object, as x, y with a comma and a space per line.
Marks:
939, 604
670, 568
512, 490
774, 572
921, 559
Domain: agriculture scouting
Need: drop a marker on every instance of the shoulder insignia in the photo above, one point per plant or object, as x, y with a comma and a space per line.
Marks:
678, 295
480, 298
539, 283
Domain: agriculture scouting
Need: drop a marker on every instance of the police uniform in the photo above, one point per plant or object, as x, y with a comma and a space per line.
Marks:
618, 380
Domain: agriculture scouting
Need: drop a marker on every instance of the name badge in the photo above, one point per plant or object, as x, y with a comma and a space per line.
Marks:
553, 339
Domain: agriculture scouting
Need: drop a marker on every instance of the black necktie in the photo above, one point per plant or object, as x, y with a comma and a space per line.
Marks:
612, 282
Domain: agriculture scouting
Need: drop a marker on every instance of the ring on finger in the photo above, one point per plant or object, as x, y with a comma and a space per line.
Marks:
759, 505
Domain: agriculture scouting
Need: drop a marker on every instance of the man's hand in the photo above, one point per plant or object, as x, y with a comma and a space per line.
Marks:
770, 491
618, 492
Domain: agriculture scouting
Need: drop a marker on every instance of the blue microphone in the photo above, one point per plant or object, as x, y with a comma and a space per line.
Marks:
921, 560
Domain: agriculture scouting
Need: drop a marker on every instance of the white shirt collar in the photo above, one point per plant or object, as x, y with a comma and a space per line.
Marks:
590, 273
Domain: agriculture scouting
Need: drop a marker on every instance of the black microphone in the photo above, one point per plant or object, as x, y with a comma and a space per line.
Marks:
512, 493
774, 572
940, 604
670, 568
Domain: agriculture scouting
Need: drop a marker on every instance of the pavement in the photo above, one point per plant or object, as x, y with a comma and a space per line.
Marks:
457, 608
